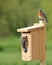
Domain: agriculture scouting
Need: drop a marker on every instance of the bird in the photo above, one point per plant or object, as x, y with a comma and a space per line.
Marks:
24, 44
42, 16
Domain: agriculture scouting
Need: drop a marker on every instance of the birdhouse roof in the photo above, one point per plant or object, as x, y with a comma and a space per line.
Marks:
36, 26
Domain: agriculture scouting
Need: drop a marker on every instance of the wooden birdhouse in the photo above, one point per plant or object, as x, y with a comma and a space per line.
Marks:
33, 42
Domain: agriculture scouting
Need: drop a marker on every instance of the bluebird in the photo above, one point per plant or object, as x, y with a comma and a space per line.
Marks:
42, 16
24, 44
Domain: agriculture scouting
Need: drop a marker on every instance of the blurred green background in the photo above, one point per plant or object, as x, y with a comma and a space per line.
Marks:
15, 14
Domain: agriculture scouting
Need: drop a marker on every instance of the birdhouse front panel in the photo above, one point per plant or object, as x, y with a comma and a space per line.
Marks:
27, 56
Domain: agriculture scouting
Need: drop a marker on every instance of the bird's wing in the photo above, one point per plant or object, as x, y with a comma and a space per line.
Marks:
44, 16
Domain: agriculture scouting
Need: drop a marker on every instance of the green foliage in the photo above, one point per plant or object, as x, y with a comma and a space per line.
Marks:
21, 13
11, 52
10, 43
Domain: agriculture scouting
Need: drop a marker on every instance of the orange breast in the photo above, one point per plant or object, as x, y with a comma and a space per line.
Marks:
39, 13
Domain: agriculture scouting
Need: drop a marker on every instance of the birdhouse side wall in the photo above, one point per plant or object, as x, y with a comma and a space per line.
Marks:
38, 44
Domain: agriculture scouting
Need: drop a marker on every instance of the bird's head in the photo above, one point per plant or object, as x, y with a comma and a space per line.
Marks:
40, 10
